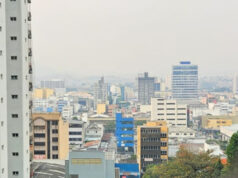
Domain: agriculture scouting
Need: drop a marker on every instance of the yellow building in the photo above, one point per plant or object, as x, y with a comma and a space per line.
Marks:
152, 144
42, 93
215, 122
50, 136
101, 108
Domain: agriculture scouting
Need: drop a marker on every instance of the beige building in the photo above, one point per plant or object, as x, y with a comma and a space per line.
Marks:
42, 93
101, 108
215, 122
170, 111
50, 136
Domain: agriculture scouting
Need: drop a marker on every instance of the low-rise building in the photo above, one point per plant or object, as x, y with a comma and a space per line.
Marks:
228, 131
67, 112
181, 133
90, 164
128, 170
76, 132
50, 136
215, 122
94, 132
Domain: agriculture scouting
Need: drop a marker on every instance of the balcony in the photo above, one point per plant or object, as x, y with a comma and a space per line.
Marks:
29, 1
29, 52
30, 86
30, 69
29, 34
29, 16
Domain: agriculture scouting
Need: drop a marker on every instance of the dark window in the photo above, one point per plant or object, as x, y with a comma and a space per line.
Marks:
55, 148
13, 18
14, 96
15, 154
14, 115
55, 131
13, 57
54, 139
39, 135
39, 143
15, 135
40, 152
14, 77
55, 156
54, 122
13, 38
15, 173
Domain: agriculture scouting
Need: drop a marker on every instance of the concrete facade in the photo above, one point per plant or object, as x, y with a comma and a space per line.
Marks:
15, 87
170, 111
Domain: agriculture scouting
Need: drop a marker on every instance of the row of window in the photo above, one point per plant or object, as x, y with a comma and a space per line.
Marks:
150, 148
75, 133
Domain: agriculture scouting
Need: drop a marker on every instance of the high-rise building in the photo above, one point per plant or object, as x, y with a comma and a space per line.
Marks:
152, 144
100, 92
50, 136
235, 84
56, 83
175, 114
185, 82
146, 86
15, 87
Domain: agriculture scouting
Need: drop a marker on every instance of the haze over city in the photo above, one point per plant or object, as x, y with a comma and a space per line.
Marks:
91, 38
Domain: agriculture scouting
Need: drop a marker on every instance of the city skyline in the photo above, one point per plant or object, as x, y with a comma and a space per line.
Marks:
154, 35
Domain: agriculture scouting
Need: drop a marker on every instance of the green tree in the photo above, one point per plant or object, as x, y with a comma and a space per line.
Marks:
232, 156
187, 165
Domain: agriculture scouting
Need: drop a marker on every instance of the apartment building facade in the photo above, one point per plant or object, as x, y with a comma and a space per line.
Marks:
15, 87
173, 113
50, 136
152, 144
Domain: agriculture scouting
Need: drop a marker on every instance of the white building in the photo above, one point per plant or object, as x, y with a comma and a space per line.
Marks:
170, 111
228, 131
67, 112
94, 132
15, 88
76, 132
181, 133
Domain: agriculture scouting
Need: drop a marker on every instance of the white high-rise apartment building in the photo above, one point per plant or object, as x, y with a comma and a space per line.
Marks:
170, 111
15, 88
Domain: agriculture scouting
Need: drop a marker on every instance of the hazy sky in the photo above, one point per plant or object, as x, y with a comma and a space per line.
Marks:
125, 37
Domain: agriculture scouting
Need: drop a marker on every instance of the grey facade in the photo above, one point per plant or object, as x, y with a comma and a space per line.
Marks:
90, 164
15, 88
100, 92
145, 89
185, 81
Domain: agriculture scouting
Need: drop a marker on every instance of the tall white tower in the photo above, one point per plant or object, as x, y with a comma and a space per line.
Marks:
235, 82
15, 88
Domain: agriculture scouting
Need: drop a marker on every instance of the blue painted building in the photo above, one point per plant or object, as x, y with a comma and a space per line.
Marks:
124, 133
128, 170
185, 81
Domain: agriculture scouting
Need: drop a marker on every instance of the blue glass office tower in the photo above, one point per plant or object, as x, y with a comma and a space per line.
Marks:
124, 133
185, 81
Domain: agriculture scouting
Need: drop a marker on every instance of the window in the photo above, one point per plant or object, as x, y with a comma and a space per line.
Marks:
0, 28
55, 156
0, 52
14, 77
54, 122
15, 154
36, 152
13, 38
15, 135
39, 144
13, 57
14, 115
12, 0
2, 147
15, 173
55, 148
14, 96
13, 18
55, 131
2, 100
41, 135
54, 139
